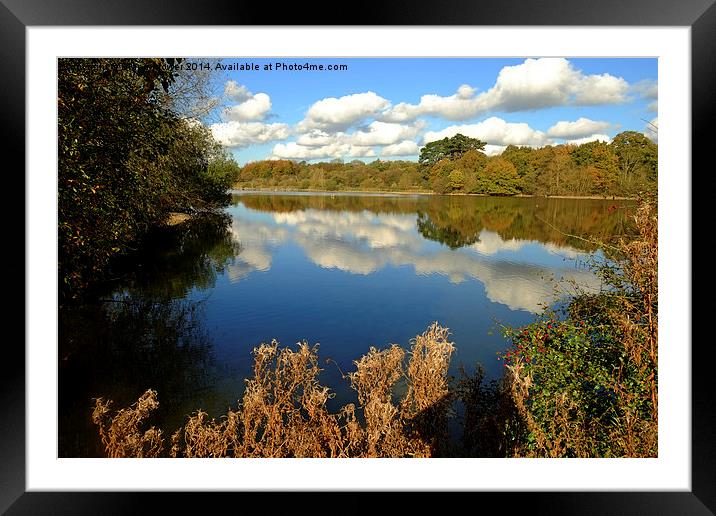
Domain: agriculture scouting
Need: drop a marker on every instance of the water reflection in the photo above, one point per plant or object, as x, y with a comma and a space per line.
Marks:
458, 238
457, 221
142, 332
345, 271
175, 260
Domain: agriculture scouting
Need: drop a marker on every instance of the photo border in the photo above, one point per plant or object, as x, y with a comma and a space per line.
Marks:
700, 15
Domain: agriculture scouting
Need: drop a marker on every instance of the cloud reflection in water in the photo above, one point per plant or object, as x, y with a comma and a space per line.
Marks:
516, 273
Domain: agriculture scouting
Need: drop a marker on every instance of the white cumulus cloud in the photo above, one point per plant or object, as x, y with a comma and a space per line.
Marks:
494, 150
248, 106
533, 84
577, 129
459, 106
646, 88
599, 89
337, 114
539, 83
591, 138
255, 108
293, 150
242, 134
317, 138
494, 131
236, 92
382, 133
404, 148
318, 144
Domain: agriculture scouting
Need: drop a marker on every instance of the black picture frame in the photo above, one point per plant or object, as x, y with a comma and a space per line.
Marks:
16, 15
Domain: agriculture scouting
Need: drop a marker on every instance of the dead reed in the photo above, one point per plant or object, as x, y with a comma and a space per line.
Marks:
121, 435
283, 411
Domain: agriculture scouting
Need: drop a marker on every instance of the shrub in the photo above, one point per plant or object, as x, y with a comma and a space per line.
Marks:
586, 386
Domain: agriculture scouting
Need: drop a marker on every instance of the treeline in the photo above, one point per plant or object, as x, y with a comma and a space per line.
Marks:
625, 167
130, 153
334, 176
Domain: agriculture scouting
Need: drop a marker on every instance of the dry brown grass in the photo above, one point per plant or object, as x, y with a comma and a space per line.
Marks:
283, 411
638, 322
375, 376
428, 400
121, 435
639, 319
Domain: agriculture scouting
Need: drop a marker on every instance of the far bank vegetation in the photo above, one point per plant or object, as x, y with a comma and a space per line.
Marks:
625, 167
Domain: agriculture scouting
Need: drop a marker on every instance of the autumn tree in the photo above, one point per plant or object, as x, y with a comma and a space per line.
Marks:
499, 177
553, 164
601, 164
636, 154
586, 169
456, 180
521, 158
438, 176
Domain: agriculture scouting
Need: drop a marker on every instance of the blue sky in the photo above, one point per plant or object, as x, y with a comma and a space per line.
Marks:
388, 108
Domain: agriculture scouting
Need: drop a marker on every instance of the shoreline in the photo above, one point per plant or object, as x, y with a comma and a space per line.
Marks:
425, 192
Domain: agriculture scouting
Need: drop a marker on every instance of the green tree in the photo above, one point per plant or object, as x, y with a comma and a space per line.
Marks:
554, 165
587, 169
601, 164
448, 148
635, 153
456, 180
125, 161
520, 157
499, 177
438, 175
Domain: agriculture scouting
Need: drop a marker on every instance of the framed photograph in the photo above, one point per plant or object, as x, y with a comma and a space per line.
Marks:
325, 117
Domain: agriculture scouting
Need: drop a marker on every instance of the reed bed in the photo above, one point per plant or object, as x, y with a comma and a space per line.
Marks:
283, 411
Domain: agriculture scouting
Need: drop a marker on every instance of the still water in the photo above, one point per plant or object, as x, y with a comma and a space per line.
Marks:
344, 271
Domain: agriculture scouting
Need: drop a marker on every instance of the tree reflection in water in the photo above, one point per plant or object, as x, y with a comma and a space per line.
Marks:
141, 331
457, 221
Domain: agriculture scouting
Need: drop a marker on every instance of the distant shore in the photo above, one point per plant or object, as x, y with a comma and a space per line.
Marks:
427, 192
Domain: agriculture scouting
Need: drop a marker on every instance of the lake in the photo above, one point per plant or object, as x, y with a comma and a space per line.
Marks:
345, 271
